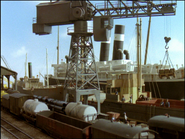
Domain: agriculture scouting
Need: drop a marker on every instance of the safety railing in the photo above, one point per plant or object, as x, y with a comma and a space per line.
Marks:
83, 30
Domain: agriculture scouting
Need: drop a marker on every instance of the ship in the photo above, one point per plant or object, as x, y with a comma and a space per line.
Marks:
162, 80
171, 88
32, 85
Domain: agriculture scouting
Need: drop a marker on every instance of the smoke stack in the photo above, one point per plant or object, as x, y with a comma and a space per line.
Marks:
30, 69
118, 42
104, 50
126, 54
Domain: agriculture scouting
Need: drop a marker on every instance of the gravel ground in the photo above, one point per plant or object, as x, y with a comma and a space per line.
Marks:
23, 125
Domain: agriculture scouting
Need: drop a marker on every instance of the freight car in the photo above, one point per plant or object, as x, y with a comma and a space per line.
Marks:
5, 101
2, 94
167, 126
78, 110
106, 129
23, 105
76, 123
62, 126
14, 102
9, 91
31, 108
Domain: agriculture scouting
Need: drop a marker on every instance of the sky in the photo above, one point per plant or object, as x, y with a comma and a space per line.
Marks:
17, 38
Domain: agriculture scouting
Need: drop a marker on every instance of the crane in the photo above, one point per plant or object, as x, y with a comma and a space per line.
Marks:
81, 67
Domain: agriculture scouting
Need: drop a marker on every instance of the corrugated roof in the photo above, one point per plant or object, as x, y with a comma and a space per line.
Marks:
121, 130
18, 95
172, 123
6, 71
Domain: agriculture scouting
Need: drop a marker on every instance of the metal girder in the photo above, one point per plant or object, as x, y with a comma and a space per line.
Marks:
131, 9
67, 12
81, 68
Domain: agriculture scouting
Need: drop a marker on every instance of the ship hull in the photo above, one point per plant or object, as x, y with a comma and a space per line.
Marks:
52, 92
167, 89
171, 89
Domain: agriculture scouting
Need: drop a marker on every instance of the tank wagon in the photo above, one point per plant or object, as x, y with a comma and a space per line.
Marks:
78, 110
23, 105
31, 108
167, 126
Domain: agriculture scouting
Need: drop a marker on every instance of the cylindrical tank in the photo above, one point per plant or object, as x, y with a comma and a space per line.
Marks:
50, 100
40, 98
81, 111
34, 106
35, 96
118, 42
104, 50
59, 103
30, 69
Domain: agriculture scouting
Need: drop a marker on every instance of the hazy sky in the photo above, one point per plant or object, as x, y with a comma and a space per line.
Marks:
17, 38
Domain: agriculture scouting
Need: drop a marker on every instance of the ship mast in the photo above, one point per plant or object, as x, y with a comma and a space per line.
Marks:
26, 65
139, 76
146, 51
58, 47
47, 67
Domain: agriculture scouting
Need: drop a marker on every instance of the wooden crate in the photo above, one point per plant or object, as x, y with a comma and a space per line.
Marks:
113, 114
117, 83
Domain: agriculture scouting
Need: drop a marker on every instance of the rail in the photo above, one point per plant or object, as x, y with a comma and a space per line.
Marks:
71, 29
13, 130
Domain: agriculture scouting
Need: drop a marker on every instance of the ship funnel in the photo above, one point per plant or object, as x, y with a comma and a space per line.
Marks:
126, 54
118, 42
104, 50
30, 69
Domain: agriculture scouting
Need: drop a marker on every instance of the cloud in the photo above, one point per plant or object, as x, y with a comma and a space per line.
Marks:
20, 52
176, 46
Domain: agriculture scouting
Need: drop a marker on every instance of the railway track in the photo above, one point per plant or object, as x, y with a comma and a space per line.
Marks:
13, 130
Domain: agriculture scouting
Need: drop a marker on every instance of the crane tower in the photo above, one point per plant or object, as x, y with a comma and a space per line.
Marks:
81, 71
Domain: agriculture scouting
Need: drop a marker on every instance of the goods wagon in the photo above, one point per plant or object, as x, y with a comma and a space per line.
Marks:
6, 101
106, 129
16, 101
62, 126
167, 126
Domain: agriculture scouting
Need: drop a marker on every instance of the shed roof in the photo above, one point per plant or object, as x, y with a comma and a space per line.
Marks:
172, 123
6, 71
19, 95
121, 130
